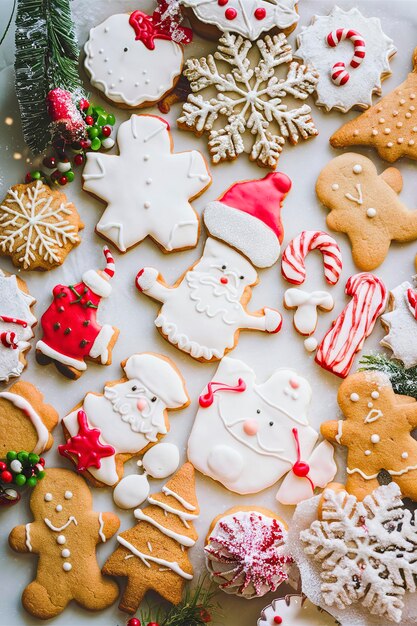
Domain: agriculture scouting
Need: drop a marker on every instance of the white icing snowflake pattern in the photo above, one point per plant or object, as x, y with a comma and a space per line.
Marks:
251, 98
367, 550
31, 228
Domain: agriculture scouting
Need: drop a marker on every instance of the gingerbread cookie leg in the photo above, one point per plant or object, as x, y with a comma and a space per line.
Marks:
360, 486
43, 601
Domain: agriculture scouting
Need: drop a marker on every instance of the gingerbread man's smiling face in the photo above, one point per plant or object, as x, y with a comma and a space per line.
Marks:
363, 397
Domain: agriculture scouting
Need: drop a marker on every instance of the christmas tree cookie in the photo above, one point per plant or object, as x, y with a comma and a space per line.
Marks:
105, 431
71, 332
153, 554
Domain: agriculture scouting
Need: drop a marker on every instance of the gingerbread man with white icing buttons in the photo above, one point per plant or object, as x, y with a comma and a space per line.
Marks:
377, 433
366, 207
64, 534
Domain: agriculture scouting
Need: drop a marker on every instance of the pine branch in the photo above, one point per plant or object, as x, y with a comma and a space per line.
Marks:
46, 57
404, 381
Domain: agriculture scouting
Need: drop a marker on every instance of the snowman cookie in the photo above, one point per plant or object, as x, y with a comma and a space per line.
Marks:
16, 325
105, 431
242, 424
136, 59
64, 533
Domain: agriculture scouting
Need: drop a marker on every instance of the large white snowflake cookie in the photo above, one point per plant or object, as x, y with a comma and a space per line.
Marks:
147, 187
366, 551
351, 53
401, 324
38, 227
136, 59
243, 106
16, 325
295, 610
249, 18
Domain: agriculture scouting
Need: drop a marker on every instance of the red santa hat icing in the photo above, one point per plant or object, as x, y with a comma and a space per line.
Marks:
99, 283
159, 376
248, 217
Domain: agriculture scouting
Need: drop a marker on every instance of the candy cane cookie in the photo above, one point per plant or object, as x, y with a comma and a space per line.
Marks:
354, 324
339, 73
293, 259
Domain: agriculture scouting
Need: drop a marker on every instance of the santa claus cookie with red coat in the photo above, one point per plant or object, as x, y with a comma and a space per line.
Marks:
204, 311
71, 332
106, 430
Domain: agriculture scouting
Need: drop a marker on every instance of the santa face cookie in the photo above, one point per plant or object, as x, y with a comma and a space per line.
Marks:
64, 534
38, 227
401, 324
250, 18
71, 332
295, 610
135, 60
16, 325
105, 431
351, 53
242, 424
26, 421
365, 205
245, 552
153, 554
156, 202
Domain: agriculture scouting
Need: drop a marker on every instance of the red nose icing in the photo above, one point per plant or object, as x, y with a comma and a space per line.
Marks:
224, 280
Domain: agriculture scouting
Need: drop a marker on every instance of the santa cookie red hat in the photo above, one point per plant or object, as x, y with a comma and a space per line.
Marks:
248, 217
98, 282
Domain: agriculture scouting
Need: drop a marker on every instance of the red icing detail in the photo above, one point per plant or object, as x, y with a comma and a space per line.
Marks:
8, 340
230, 13
169, 22
277, 619
294, 383
207, 399
13, 320
222, 3
138, 275
86, 445
224, 280
262, 199
158, 26
412, 300
300, 468
260, 15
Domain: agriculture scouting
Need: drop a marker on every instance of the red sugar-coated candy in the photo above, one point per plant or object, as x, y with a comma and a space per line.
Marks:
55, 175
106, 131
49, 162
301, 469
222, 3
3, 466
42, 461
85, 144
6, 477
62, 180
83, 104
89, 120
277, 619
134, 621
230, 14
28, 178
260, 13
153, 624
79, 159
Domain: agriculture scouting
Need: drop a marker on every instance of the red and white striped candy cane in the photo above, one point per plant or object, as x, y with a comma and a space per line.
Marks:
293, 266
13, 320
339, 73
8, 339
412, 301
110, 266
354, 324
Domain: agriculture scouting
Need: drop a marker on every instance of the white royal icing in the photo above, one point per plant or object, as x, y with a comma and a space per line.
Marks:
280, 14
156, 200
101, 526
145, 558
364, 80
254, 428
124, 69
27, 538
402, 327
295, 610
161, 460
182, 539
307, 305
21, 403
57, 529
131, 491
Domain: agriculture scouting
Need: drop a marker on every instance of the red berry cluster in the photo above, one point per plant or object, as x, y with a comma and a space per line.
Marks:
134, 621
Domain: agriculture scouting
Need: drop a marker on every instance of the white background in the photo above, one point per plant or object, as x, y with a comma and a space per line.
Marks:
134, 315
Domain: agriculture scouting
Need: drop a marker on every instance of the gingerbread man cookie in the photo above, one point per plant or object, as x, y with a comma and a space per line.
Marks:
64, 533
366, 207
377, 433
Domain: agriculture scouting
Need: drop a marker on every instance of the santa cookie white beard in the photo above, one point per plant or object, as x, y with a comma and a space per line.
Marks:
129, 417
241, 425
204, 311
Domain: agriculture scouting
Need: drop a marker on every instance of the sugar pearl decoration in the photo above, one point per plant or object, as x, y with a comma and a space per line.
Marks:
367, 452
375, 395
58, 508
48, 497
371, 212
61, 539
354, 397
310, 344
65, 553
67, 567
387, 131
68, 495
375, 438
374, 132
370, 405
357, 169
404, 455
335, 187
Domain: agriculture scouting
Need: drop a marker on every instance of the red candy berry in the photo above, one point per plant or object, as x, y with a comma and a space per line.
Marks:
260, 13
222, 3
153, 624
3, 466
28, 178
134, 621
83, 104
106, 131
6, 477
277, 619
301, 469
230, 14
89, 120
42, 461
78, 159
62, 180
49, 163
85, 144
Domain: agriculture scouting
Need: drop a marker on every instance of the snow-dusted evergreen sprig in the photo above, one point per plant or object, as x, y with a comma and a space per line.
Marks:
250, 98
403, 381
46, 57
367, 550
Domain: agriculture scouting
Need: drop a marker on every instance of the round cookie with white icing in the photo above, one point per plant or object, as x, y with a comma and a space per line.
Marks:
26, 421
135, 60
245, 552
351, 53
106, 430
249, 18
295, 610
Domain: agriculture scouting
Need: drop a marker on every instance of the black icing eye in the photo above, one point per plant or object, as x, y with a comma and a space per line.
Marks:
258, 411
241, 277
134, 388
271, 423
125, 49
223, 267
154, 399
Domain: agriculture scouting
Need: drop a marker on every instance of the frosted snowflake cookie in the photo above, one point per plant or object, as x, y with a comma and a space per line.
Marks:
249, 111
295, 610
365, 551
136, 59
38, 227
351, 53
249, 18
242, 424
245, 552
148, 187
401, 324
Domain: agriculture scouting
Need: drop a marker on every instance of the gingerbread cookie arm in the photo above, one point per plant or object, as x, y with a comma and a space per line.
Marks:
267, 320
23, 538
393, 177
108, 525
151, 283
332, 430
409, 411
